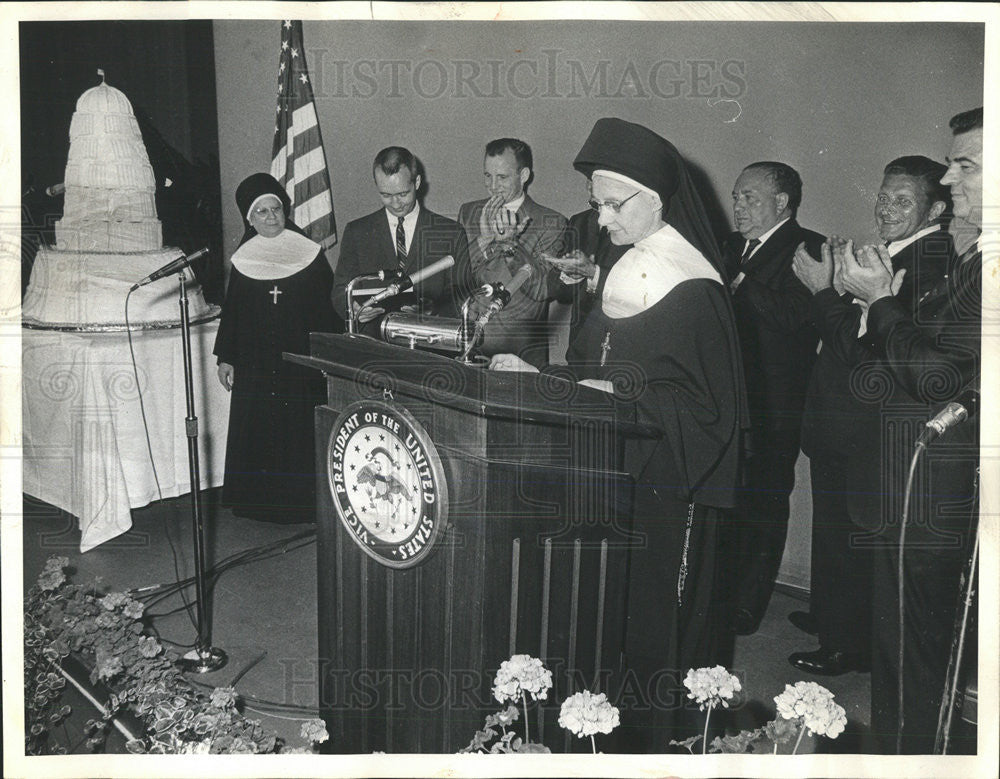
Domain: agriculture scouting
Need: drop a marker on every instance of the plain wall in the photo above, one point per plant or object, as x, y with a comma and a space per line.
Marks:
836, 101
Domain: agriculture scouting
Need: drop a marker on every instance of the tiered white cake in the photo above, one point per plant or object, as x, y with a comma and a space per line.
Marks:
109, 236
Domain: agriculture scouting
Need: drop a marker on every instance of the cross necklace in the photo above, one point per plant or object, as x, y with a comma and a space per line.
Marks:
274, 294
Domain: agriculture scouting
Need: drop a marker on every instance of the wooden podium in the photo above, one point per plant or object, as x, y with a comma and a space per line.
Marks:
463, 516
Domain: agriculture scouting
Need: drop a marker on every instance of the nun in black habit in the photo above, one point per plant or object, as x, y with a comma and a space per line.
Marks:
663, 335
279, 291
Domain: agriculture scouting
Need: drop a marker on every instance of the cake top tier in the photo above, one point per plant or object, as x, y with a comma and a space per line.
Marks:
104, 99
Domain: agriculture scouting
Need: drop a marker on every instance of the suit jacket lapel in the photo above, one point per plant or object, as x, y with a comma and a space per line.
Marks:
771, 246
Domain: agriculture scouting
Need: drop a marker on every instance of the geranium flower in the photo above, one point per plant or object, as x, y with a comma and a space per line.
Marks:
586, 714
133, 609
223, 697
711, 686
314, 731
113, 600
149, 646
108, 665
522, 674
49, 580
813, 705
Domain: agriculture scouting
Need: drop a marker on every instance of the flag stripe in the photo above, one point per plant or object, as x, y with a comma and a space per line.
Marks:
298, 159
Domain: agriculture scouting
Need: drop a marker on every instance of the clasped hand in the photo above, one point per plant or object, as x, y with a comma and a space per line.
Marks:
499, 223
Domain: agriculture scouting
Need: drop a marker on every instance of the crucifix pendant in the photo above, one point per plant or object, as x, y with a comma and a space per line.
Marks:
605, 347
274, 294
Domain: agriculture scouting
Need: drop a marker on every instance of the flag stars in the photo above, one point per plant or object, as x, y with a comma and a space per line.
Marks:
303, 78
281, 67
295, 52
284, 45
287, 24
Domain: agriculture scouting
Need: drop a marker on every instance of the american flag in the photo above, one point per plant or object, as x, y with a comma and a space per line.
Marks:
297, 157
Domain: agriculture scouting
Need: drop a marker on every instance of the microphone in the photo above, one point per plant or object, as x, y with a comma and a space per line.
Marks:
407, 282
963, 407
174, 266
502, 294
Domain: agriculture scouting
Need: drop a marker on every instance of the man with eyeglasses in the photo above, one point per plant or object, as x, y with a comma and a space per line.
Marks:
779, 346
506, 231
402, 236
578, 276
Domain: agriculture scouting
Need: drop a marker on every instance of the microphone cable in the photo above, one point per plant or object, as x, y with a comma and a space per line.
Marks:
899, 594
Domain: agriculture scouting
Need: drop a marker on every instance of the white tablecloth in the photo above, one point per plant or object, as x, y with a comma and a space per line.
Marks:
84, 442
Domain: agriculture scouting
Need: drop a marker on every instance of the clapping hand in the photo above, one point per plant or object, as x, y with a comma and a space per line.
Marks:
867, 273
814, 274
498, 223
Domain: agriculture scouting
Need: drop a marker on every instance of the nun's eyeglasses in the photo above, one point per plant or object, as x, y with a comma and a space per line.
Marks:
614, 205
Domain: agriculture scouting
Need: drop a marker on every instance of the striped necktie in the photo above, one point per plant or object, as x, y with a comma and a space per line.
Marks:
752, 244
401, 245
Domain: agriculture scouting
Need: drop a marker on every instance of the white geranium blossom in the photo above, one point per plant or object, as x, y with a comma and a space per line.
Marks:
711, 686
522, 674
586, 714
813, 705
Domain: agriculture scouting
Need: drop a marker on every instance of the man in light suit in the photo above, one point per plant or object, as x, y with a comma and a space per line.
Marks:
779, 347
401, 236
507, 231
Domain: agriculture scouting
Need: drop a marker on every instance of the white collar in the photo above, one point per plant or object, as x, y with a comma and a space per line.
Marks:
275, 258
895, 247
516, 203
764, 236
650, 270
409, 221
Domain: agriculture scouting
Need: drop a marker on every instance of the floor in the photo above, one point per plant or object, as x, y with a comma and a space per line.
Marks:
264, 613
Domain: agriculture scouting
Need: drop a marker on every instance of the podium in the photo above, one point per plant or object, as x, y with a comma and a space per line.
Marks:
463, 516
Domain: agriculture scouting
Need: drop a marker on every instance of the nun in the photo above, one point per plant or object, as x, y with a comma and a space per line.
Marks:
279, 291
663, 335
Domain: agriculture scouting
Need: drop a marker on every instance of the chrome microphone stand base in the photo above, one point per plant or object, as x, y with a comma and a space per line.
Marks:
203, 661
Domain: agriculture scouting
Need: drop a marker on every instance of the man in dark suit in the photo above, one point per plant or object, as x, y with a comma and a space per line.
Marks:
401, 236
931, 359
779, 346
507, 231
841, 431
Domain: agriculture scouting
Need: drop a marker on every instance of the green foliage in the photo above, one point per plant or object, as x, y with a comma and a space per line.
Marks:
106, 633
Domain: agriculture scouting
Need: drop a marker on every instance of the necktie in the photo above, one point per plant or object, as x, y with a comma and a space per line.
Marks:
400, 245
752, 244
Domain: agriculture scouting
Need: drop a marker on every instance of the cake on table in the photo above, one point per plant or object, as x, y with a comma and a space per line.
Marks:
109, 236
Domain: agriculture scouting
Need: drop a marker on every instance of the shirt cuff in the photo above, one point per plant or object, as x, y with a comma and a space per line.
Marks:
592, 281
737, 281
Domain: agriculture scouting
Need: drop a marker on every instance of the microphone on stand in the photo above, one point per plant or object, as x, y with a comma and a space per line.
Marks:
408, 282
963, 407
502, 294
174, 266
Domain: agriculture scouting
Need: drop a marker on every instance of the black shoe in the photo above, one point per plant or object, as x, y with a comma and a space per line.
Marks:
824, 662
804, 621
745, 623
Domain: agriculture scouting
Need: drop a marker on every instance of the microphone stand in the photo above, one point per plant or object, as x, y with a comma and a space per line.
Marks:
204, 657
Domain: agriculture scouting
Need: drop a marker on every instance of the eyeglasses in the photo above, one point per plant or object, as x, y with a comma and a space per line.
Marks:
614, 205
262, 212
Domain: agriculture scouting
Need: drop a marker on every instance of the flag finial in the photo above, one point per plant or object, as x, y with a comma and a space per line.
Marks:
100, 72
